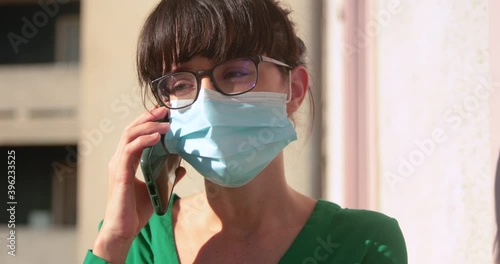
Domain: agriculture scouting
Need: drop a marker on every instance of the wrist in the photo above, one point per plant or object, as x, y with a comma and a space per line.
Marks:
113, 250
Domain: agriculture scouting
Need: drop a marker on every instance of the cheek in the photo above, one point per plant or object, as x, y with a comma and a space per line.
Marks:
270, 81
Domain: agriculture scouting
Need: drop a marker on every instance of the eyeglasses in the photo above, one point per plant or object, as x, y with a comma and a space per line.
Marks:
233, 77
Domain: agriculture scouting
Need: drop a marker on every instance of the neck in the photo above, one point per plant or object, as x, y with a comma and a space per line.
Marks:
264, 203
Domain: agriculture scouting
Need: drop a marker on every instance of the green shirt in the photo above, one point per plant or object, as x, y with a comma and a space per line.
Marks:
330, 235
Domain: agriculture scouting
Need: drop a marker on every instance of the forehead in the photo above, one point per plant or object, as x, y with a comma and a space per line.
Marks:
197, 63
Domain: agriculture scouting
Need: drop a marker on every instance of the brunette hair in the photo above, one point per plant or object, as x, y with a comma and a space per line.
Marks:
177, 30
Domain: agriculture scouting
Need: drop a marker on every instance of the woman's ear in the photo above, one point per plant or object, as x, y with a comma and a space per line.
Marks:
299, 86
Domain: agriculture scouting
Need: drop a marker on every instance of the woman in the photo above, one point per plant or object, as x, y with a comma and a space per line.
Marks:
230, 73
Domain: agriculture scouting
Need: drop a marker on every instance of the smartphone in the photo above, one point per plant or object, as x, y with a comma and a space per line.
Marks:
158, 167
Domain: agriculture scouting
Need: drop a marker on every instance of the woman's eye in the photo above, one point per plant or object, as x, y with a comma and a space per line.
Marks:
235, 74
182, 88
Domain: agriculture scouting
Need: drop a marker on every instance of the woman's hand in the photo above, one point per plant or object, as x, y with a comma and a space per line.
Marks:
129, 206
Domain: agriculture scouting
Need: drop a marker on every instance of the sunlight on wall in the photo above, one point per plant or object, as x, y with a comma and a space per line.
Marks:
435, 129
334, 106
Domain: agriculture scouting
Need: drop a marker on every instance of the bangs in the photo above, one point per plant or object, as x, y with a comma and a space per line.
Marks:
178, 30
216, 30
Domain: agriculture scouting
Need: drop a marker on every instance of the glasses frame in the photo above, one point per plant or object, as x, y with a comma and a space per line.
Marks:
199, 74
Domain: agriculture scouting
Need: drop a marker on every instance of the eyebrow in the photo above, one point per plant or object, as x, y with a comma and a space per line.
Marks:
179, 69
190, 67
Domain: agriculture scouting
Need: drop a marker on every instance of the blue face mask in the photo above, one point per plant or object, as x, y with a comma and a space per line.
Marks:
230, 139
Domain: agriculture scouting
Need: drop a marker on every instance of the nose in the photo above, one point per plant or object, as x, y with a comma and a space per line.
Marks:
206, 83
204, 79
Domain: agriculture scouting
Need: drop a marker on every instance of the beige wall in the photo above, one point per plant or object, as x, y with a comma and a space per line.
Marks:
41, 246
495, 97
435, 123
495, 73
110, 100
30, 91
109, 33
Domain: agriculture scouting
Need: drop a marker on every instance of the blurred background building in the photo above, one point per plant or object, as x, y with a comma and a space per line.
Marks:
40, 90
407, 105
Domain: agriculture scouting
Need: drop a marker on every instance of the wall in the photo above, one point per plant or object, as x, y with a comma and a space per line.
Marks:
495, 74
435, 126
38, 107
44, 246
36, 111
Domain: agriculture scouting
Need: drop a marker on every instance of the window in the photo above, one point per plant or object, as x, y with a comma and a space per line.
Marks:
39, 32
45, 185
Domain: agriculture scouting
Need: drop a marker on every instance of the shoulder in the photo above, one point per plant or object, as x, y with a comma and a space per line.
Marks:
356, 218
376, 234
368, 222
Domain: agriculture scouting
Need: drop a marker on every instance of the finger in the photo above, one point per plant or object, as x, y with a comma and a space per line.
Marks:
144, 129
150, 115
157, 114
131, 154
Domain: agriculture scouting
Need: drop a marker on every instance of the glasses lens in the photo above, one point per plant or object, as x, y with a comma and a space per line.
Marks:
178, 90
236, 76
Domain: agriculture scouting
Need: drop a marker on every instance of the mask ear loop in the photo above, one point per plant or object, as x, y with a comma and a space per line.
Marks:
289, 95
